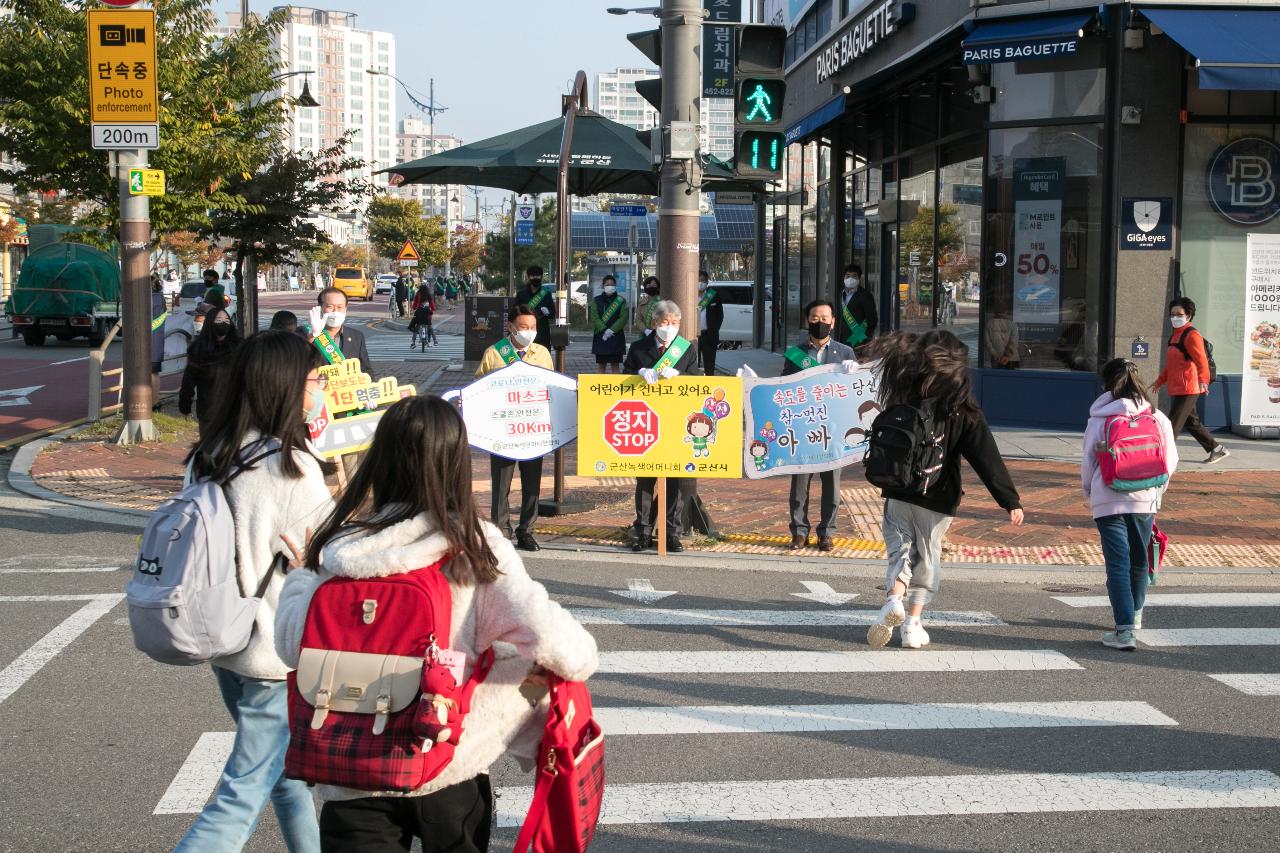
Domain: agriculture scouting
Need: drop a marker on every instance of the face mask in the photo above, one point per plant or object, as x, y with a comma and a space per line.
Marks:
535, 283
221, 329
315, 401
652, 291
702, 285
1177, 322
850, 282
524, 337
335, 319
609, 290
819, 331
667, 334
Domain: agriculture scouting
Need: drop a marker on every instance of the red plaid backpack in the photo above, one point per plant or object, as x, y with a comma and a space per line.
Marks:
376, 703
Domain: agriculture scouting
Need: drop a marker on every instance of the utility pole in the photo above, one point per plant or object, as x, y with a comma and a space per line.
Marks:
135, 292
511, 250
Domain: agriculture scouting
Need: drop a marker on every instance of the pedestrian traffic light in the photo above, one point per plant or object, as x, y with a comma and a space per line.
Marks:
760, 92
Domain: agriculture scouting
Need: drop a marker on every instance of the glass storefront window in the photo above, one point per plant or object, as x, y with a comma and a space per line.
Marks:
916, 281
1051, 88
1042, 267
960, 242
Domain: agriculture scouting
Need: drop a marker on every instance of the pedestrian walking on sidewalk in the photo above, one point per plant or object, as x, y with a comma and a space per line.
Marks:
208, 358
1186, 372
609, 323
409, 506
928, 378
1124, 518
275, 503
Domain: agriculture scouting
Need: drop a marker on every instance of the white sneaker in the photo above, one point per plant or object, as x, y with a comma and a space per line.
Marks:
1217, 455
1137, 619
914, 636
891, 616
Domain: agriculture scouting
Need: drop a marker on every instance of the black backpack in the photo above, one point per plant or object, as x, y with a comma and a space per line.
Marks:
1181, 346
905, 449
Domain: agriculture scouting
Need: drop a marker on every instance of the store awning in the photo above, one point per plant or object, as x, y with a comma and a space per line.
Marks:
1233, 49
823, 115
1023, 39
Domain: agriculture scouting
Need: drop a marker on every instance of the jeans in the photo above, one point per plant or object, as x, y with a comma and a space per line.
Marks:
1125, 542
254, 774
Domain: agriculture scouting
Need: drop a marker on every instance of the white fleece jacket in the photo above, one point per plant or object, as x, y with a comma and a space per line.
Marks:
267, 505
513, 614
1105, 500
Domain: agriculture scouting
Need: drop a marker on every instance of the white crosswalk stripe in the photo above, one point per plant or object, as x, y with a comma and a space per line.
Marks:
396, 348
1195, 599
1251, 683
763, 618
1209, 636
648, 662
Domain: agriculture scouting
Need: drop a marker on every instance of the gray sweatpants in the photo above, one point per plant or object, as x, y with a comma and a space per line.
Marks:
913, 541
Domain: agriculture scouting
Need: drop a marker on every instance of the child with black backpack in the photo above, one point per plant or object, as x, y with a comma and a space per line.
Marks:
929, 420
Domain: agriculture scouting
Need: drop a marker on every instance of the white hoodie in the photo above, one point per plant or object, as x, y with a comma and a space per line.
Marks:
1105, 500
513, 614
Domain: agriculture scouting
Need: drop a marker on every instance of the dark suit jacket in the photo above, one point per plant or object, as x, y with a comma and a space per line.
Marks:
645, 353
352, 346
862, 305
715, 313
544, 322
834, 353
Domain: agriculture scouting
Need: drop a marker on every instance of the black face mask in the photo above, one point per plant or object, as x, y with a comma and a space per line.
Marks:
819, 331
535, 283
652, 291
221, 330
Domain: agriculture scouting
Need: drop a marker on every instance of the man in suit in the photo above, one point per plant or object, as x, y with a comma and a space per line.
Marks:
820, 349
662, 355
541, 300
710, 319
330, 314
856, 315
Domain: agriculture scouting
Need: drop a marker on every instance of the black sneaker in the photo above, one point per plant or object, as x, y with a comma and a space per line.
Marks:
526, 542
674, 545
1217, 455
641, 543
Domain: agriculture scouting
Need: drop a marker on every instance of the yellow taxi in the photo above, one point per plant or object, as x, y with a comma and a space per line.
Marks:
354, 282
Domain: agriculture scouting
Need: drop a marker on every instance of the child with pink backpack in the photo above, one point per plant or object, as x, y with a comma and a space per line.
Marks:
1129, 456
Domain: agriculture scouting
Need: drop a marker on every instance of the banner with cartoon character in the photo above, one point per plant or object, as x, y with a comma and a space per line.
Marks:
812, 421
687, 426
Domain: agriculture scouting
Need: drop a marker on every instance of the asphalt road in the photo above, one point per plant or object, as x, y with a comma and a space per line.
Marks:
727, 730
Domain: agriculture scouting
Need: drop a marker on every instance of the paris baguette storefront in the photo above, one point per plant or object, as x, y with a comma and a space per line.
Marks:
1039, 177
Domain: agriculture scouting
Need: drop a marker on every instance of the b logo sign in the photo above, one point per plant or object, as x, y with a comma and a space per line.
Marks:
1243, 181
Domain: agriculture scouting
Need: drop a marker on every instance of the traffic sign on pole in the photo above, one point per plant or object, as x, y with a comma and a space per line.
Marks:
146, 182
525, 213
122, 76
628, 210
408, 252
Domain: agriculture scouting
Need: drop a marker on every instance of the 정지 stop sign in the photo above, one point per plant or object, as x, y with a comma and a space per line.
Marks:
631, 427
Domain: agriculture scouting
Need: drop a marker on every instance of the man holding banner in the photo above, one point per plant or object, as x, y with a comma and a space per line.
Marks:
820, 349
662, 355
330, 334
519, 345
541, 301
857, 319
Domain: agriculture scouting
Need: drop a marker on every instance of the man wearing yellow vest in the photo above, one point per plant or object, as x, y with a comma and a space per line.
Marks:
519, 345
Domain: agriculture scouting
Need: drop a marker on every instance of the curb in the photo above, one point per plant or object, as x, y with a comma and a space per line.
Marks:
20, 479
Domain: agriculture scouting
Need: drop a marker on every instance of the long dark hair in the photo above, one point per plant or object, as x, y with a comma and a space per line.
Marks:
933, 366
1120, 377
419, 463
262, 391
206, 346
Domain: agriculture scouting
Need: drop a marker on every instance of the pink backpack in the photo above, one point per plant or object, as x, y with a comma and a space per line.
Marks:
1131, 454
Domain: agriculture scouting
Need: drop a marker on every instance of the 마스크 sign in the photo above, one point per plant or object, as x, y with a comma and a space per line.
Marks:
122, 66
680, 427
871, 27
1146, 223
521, 411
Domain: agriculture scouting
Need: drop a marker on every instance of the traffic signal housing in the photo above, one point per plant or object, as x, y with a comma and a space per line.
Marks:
759, 94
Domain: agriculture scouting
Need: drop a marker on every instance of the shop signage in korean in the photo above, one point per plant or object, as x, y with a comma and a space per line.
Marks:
1244, 180
688, 426
1146, 223
521, 411
812, 421
1260, 391
871, 27
718, 47
1038, 185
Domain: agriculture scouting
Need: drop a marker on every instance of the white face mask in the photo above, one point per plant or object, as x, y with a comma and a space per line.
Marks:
850, 282
335, 319
1178, 322
609, 290
702, 285
667, 334
524, 337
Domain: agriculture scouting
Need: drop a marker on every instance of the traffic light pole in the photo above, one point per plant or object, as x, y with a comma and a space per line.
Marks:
135, 294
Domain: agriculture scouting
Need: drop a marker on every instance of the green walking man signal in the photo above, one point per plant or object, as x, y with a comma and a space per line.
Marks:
762, 101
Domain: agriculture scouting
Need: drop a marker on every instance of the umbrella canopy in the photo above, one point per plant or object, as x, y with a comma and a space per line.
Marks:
606, 157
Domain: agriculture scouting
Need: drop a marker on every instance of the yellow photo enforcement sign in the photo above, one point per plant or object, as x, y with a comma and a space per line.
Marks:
689, 426
122, 66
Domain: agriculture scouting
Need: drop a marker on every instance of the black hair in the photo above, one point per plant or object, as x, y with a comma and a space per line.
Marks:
608, 277
419, 463
206, 346
1120, 377
286, 320
934, 366
650, 278
262, 392
1185, 304
818, 303
321, 295
208, 273
534, 269
521, 310
853, 268
704, 274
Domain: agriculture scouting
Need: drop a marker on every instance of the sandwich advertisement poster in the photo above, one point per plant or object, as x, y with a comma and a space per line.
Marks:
1260, 395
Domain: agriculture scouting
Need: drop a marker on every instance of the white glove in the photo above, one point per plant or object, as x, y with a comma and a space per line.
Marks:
316, 317
648, 375
668, 373
608, 333
546, 312
745, 372
849, 365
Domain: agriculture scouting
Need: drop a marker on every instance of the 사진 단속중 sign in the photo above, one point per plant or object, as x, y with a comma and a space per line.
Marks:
521, 411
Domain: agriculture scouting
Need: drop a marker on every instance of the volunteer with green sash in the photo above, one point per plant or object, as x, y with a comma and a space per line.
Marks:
648, 301
519, 345
820, 349
857, 318
661, 355
608, 321
710, 319
329, 333
541, 300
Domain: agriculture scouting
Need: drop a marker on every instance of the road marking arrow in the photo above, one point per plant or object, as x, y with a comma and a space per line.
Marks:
822, 593
18, 396
641, 590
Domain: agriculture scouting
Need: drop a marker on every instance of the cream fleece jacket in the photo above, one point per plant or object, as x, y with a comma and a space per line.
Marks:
1103, 499
513, 615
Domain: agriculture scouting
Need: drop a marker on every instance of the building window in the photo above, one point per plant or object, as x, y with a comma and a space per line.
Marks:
1051, 88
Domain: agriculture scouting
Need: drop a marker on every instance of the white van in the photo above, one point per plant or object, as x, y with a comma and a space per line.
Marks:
738, 300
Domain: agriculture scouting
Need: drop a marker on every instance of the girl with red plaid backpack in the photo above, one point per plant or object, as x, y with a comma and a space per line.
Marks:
407, 522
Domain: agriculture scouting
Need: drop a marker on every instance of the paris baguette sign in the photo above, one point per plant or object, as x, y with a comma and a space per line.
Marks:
871, 27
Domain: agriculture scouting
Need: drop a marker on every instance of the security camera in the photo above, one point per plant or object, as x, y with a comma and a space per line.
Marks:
983, 94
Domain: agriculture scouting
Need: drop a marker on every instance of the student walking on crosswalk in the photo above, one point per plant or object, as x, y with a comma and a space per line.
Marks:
928, 413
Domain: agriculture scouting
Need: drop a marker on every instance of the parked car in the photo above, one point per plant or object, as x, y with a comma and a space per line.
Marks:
385, 284
193, 291
737, 297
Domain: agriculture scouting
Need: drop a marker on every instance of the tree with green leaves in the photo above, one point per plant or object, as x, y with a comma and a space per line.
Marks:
218, 116
389, 221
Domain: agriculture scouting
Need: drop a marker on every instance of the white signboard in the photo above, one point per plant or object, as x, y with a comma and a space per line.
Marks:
1260, 392
126, 136
521, 411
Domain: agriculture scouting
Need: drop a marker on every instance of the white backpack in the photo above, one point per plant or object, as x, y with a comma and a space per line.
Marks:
185, 602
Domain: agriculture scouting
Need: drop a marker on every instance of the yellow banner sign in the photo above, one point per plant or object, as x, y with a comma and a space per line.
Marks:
122, 66
689, 426
350, 390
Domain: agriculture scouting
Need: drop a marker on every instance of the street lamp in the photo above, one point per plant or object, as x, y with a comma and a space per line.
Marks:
430, 107
305, 99
642, 10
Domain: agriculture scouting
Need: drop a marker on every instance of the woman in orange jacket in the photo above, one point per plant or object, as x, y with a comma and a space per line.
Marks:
1186, 372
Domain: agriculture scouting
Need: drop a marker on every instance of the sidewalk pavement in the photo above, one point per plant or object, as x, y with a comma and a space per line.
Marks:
1216, 516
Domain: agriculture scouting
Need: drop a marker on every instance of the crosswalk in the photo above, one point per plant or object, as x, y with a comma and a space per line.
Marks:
393, 347
777, 674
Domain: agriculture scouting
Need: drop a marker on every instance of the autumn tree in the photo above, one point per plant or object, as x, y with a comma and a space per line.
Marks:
390, 221
467, 251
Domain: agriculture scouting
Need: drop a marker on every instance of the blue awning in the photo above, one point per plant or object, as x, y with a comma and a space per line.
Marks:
1022, 39
825, 114
1233, 49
